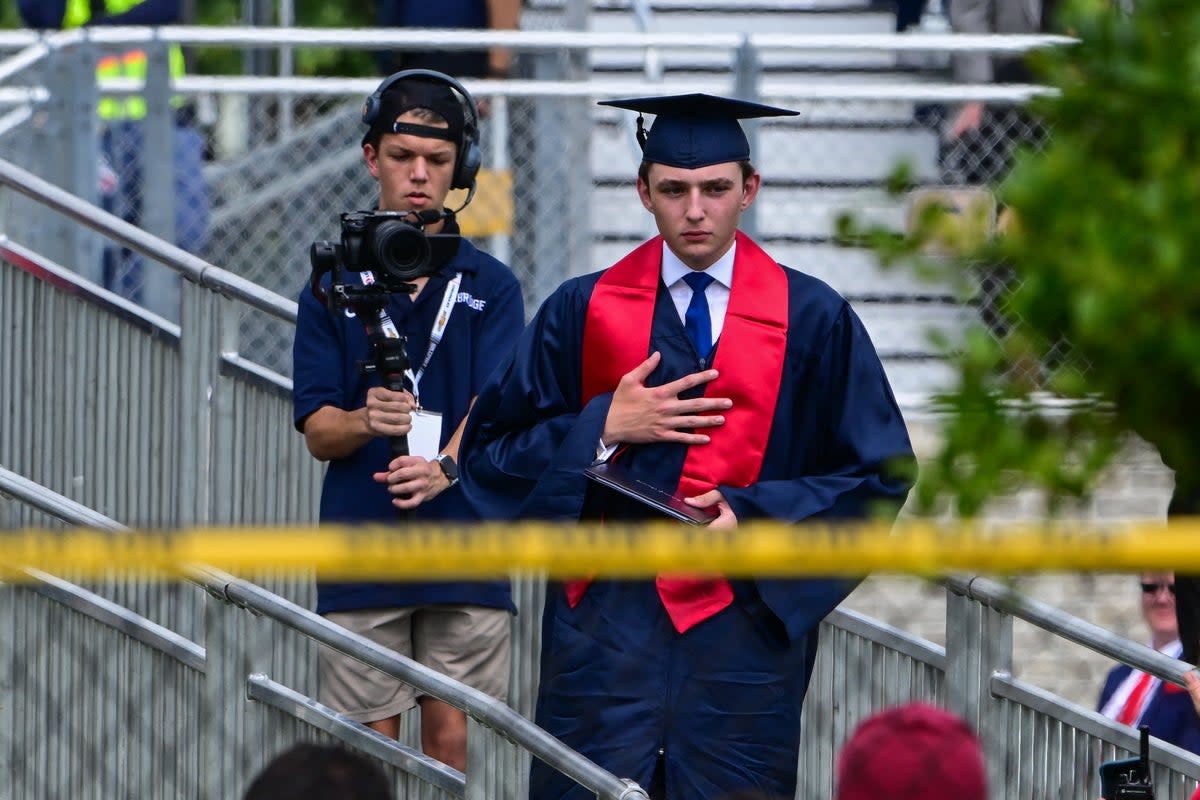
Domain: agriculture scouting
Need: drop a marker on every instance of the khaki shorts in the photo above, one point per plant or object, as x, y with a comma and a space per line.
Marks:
468, 643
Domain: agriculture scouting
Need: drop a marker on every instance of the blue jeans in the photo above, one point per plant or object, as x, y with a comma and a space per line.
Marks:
123, 145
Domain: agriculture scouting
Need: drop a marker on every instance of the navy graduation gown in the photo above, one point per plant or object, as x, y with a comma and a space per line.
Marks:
1169, 711
618, 682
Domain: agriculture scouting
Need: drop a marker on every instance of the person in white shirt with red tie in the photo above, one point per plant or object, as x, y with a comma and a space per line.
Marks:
1135, 698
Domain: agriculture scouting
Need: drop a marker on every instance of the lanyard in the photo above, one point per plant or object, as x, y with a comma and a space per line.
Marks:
435, 335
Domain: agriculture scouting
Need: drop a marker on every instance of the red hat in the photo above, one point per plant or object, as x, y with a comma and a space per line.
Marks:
914, 752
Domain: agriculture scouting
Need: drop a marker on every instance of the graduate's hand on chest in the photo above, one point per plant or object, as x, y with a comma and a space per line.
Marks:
641, 414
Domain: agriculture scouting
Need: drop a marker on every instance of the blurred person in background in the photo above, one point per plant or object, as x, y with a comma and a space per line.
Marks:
1136, 698
980, 141
497, 15
459, 323
122, 139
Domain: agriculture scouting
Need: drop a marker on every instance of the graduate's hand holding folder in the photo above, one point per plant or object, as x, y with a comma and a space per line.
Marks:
642, 414
615, 478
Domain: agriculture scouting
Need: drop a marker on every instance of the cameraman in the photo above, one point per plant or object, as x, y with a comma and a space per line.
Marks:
460, 321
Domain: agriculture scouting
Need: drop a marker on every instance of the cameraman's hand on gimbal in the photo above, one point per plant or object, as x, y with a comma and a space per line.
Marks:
389, 412
413, 480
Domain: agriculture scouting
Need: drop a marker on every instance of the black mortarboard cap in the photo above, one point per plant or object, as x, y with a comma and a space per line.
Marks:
695, 130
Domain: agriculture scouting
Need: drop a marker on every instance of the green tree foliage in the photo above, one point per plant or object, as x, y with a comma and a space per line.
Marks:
1104, 248
9, 18
309, 14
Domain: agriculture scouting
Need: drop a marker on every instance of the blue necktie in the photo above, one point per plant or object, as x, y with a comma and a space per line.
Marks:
697, 321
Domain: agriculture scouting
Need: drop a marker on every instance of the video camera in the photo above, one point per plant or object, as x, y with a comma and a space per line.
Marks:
391, 245
394, 248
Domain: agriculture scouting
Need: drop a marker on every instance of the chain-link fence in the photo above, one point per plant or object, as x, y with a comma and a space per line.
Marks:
282, 160
982, 156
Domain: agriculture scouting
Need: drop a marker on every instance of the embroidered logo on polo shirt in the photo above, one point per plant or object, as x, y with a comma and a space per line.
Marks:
471, 302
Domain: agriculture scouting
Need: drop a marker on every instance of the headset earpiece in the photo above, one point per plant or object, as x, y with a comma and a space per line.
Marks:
470, 157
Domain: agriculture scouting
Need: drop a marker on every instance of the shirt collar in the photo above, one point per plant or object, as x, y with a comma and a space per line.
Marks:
673, 269
1173, 649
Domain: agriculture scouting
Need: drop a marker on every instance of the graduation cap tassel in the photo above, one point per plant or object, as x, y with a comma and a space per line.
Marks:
641, 132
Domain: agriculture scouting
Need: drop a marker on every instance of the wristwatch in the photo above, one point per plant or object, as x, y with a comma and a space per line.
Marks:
449, 468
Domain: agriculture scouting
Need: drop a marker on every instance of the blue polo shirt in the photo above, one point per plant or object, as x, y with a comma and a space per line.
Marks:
486, 319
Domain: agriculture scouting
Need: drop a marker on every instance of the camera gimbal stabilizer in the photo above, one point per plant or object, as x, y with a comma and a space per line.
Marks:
389, 353
394, 249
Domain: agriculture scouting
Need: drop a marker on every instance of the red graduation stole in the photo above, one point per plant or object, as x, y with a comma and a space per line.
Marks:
616, 338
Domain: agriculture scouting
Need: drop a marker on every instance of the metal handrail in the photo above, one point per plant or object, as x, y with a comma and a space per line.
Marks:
488, 710
79, 599
533, 41
1091, 723
189, 266
17, 95
289, 701
13, 39
498, 716
593, 88
548, 41
1006, 599
54, 504
889, 636
118, 617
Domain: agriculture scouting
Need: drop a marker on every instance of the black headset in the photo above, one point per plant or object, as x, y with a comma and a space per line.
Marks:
469, 159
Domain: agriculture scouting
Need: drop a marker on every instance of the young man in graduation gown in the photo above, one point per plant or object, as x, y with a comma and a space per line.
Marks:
699, 365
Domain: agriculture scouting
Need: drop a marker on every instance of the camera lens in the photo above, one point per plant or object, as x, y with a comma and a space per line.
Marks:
402, 250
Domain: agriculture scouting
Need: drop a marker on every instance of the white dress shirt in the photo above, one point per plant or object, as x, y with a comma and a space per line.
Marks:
717, 293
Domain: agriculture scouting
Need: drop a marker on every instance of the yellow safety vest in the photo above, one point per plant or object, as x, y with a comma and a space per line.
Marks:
131, 64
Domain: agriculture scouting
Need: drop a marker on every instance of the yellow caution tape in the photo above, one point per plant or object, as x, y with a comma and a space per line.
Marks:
761, 549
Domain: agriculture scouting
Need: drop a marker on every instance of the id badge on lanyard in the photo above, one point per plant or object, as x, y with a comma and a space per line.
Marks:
425, 438
426, 435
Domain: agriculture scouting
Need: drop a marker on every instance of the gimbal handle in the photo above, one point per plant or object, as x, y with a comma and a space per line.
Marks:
391, 363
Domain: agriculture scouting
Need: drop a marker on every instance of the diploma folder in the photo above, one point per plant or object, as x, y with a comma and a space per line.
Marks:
617, 479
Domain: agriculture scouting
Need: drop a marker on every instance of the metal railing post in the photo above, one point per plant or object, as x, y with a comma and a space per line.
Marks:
236, 645
200, 325
498, 144
71, 118
558, 184
160, 290
979, 644
490, 759
223, 508
745, 87
10, 736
